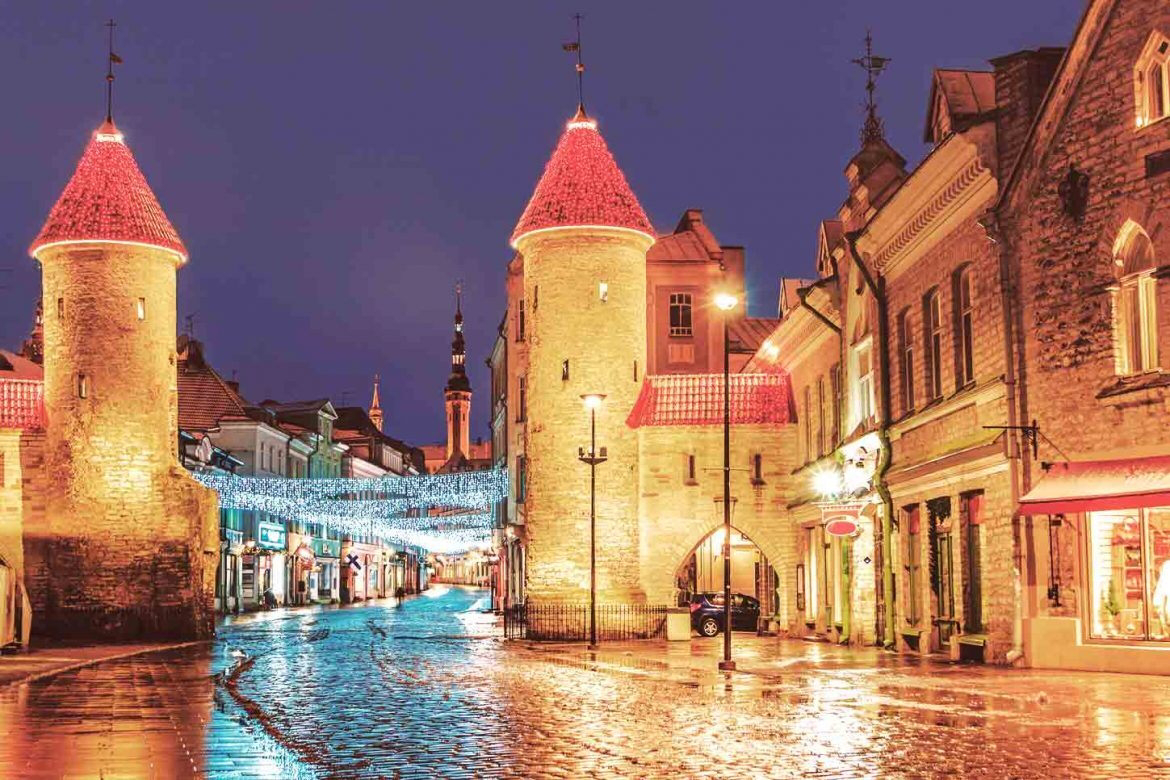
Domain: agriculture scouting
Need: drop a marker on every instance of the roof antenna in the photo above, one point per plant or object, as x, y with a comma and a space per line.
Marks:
114, 58
872, 130
575, 46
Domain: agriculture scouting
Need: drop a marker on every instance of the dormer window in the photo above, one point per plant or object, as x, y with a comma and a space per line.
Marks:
1151, 77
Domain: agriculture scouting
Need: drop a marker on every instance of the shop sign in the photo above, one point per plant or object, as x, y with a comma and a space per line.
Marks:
271, 535
305, 553
842, 519
327, 548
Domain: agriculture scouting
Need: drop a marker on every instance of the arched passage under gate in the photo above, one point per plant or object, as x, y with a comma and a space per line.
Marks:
752, 574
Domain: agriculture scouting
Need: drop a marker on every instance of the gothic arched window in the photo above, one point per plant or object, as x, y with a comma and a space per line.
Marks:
1151, 75
1135, 302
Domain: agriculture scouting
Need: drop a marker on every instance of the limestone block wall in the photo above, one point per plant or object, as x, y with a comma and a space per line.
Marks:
22, 502
603, 340
678, 513
128, 546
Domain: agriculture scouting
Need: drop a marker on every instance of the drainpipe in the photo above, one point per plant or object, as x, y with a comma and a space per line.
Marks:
885, 619
1013, 394
801, 293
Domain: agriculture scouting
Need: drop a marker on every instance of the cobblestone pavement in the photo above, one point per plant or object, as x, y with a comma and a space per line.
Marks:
428, 690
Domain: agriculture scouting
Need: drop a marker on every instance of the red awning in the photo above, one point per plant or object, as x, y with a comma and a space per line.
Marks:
1097, 485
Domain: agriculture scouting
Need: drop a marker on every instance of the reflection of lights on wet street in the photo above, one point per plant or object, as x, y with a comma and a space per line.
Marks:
426, 688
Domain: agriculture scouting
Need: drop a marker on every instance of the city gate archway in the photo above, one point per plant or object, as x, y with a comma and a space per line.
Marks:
752, 573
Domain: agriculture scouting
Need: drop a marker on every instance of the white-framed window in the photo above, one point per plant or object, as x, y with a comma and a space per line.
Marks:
1135, 302
1151, 80
863, 388
932, 343
964, 329
680, 314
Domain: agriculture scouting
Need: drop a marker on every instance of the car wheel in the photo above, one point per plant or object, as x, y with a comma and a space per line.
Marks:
709, 627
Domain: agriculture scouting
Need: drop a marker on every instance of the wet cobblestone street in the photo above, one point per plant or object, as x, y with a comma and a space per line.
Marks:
429, 690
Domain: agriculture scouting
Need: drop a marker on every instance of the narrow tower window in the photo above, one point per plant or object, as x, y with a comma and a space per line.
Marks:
635, 370
142, 308
82, 386
565, 370
60, 308
690, 473
757, 468
603, 291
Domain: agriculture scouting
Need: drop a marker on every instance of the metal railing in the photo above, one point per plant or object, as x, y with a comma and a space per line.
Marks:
22, 403
569, 622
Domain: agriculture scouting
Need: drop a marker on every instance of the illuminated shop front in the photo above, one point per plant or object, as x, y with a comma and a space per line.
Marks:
1106, 560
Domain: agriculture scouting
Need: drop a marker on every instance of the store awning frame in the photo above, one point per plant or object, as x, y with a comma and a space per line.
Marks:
1100, 485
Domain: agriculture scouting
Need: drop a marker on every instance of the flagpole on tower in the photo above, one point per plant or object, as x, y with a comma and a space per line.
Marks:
575, 46
111, 60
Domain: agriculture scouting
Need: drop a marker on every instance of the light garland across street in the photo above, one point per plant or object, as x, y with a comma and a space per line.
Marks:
439, 512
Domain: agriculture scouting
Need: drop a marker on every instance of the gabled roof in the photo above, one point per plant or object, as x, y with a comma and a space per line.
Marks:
14, 366
204, 397
697, 399
300, 407
582, 185
748, 333
967, 95
108, 200
691, 240
790, 295
1058, 97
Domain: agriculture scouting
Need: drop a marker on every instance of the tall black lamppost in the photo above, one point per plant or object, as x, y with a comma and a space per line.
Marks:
592, 457
726, 302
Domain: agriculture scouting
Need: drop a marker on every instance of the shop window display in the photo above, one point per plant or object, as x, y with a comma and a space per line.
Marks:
1129, 560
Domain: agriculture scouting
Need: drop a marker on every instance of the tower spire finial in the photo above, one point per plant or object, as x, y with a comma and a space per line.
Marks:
873, 65
112, 60
575, 46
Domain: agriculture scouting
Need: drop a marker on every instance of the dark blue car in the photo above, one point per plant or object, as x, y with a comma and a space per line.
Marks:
707, 613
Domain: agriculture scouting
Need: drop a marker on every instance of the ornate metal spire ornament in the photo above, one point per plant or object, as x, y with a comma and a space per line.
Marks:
872, 131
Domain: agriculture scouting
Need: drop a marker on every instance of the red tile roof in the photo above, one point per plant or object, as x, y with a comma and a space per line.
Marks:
205, 399
697, 399
582, 185
108, 199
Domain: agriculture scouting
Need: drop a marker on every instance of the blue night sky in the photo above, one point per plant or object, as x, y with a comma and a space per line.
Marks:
335, 167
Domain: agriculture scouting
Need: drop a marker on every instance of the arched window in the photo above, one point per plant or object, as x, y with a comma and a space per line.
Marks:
1135, 302
1151, 76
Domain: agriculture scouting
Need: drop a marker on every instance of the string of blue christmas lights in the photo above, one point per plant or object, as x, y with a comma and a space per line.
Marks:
439, 512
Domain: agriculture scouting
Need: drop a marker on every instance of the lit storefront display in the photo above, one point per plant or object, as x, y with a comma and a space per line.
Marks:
1118, 513
1129, 574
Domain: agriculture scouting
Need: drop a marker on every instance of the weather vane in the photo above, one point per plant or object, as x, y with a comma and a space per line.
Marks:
873, 66
113, 59
575, 46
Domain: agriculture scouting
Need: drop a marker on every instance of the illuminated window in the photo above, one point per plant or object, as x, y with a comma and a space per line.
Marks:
1151, 76
141, 308
863, 388
964, 329
603, 291
932, 343
82, 386
906, 360
1135, 302
680, 314
1129, 574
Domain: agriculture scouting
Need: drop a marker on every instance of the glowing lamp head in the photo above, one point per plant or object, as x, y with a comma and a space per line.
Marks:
593, 400
827, 482
726, 301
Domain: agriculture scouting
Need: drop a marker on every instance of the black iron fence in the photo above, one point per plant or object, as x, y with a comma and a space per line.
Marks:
569, 622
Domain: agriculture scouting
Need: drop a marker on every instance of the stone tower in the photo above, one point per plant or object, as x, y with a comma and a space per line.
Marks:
583, 238
130, 541
376, 407
457, 394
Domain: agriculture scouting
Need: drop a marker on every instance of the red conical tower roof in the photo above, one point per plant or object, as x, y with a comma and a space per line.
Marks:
108, 200
582, 185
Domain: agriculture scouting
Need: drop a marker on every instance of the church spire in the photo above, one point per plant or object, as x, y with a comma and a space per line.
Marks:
457, 394
376, 407
458, 379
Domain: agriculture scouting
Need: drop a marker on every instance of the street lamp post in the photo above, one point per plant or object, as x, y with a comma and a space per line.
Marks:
726, 302
592, 401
